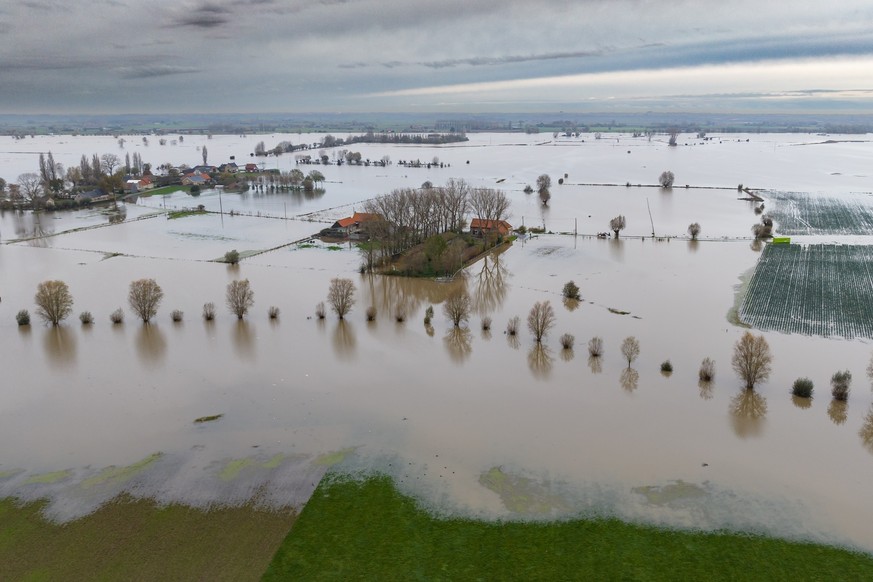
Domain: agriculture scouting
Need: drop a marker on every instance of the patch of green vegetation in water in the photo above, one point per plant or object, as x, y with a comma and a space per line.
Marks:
233, 468
306, 246
676, 491
274, 462
210, 418
367, 530
52, 477
330, 459
119, 475
10, 473
334, 248
522, 495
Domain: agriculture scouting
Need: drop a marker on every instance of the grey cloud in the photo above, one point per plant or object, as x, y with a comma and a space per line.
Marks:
151, 71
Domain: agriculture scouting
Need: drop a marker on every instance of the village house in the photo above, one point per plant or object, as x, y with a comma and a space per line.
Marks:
479, 227
194, 179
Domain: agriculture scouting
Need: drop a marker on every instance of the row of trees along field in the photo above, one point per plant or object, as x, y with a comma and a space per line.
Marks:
752, 359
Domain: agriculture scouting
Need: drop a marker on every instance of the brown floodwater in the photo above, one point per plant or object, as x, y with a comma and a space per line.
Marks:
448, 412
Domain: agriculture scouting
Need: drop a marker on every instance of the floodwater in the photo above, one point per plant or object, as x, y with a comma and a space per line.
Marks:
466, 420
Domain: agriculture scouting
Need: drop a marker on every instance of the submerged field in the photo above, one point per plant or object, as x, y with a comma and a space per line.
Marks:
473, 424
822, 290
798, 213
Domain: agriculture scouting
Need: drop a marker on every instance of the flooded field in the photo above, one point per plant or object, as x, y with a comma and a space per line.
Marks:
470, 422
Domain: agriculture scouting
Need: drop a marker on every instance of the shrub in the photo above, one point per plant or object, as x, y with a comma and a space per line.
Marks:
86, 318
568, 340
707, 370
209, 311
666, 366
486, 323
840, 382
273, 312
528, 189
400, 314
595, 347
571, 290
117, 316
319, 310
176, 315
428, 314
512, 326
23, 317
371, 313
231, 257
802, 387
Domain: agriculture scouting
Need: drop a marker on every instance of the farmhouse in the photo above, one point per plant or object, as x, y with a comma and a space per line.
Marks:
479, 227
351, 226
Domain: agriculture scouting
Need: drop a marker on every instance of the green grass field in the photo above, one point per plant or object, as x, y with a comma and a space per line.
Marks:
366, 530
137, 540
822, 290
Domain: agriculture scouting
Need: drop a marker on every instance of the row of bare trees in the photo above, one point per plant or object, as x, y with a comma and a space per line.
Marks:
54, 302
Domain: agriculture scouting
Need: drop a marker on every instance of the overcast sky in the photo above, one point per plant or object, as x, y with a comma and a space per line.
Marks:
178, 56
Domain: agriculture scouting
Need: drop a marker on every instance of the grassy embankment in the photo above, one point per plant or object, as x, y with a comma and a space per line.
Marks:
137, 540
368, 531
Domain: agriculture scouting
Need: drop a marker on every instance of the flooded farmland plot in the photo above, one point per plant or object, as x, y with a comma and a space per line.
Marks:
469, 421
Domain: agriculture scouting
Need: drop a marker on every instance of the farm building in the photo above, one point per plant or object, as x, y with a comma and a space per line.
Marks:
479, 227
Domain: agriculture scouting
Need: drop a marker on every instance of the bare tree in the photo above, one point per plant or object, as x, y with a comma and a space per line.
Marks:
53, 301
144, 297
694, 230
544, 182
30, 185
674, 133
616, 224
205, 154
630, 349
457, 307
239, 297
108, 163
341, 296
752, 359
541, 319
666, 179
707, 370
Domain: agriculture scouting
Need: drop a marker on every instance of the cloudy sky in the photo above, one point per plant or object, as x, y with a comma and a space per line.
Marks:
180, 56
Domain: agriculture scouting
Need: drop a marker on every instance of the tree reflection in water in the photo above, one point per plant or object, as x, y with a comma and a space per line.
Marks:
571, 304
388, 293
513, 341
151, 346
490, 284
595, 364
344, 342
748, 413
539, 360
705, 389
459, 343
30, 226
567, 354
629, 379
838, 410
800, 402
244, 339
866, 432
60, 346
